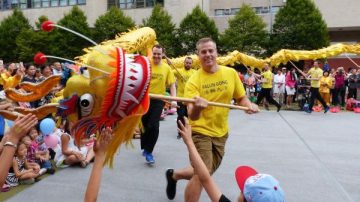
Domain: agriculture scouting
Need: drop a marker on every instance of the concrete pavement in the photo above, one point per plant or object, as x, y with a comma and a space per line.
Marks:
315, 157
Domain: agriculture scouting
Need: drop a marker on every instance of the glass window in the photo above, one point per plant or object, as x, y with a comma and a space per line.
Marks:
72, 2
23, 4
36, 3
45, 3
54, 3
63, 3
275, 9
81, 2
150, 3
265, 10
140, 3
258, 10
219, 12
234, 11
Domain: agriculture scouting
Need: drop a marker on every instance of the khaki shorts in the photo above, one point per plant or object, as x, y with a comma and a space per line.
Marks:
211, 149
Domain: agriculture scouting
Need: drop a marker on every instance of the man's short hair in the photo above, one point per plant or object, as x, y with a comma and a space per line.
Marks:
159, 47
204, 40
188, 58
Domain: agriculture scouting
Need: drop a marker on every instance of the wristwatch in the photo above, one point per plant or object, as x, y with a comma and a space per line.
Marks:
8, 143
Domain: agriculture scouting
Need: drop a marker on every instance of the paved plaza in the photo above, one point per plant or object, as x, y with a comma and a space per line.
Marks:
315, 157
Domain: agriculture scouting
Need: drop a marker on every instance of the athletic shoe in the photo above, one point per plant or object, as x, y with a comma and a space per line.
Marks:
308, 111
171, 184
42, 171
278, 108
326, 109
50, 171
149, 158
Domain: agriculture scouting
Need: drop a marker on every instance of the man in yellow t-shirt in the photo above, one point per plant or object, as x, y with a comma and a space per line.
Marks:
209, 124
314, 75
266, 79
182, 76
161, 77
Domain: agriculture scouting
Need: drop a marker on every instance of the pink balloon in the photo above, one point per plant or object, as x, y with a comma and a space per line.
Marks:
51, 141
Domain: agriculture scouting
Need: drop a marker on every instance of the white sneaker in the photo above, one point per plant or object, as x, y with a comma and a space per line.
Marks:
42, 171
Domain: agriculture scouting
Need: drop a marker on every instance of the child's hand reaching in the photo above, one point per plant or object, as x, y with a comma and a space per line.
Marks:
103, 141
185, 130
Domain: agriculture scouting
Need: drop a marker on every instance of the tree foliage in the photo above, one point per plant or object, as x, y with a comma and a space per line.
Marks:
246, 32
30, 41
113, 22
194, 26
299, 25
10, 28
161, 22
66, 44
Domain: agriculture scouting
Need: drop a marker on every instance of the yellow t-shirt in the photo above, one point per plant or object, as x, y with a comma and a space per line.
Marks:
315, 73
325, 84
221, 86
161, 76
268, 76
186, 74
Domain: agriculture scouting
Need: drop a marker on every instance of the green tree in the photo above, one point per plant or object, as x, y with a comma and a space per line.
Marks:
30, 41
114, 21
246, 32
299, 25
69, 45
160, 21
194, 26
10, 28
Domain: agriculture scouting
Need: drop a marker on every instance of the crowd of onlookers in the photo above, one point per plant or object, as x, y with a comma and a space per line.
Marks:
337, 86
33, 157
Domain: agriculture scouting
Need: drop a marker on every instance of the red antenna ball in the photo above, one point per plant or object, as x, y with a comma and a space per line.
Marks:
47, 26
40, 58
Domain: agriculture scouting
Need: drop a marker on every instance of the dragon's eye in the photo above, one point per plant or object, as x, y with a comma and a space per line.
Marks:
86, 104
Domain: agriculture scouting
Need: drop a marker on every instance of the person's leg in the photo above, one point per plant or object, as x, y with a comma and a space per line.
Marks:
70, 160
149, 138
90, 155
270, 99
336, 96
193, 190
342, 96
260, 96
182, 112
318, 96
183, 174
314, 92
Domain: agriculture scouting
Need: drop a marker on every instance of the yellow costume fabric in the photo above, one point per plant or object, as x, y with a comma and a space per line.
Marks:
315, 74
221, 86
161, 76
184, 74
9, 81
325, 84
268, 76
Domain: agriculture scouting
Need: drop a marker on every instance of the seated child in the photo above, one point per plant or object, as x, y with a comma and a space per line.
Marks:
20, 170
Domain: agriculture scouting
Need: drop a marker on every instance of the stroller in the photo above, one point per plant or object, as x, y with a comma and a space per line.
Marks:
303, 94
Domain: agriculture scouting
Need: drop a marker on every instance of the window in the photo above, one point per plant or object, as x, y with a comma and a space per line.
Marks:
219, 12
45, 3
54, 3
81, 2
63, 3
72, 2
234, 11
128, 4
36, 4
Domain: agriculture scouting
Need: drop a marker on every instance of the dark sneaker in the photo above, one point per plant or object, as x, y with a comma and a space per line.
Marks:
50, 171
278, 108
326, 109
149, 158
308, 111
171, 184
